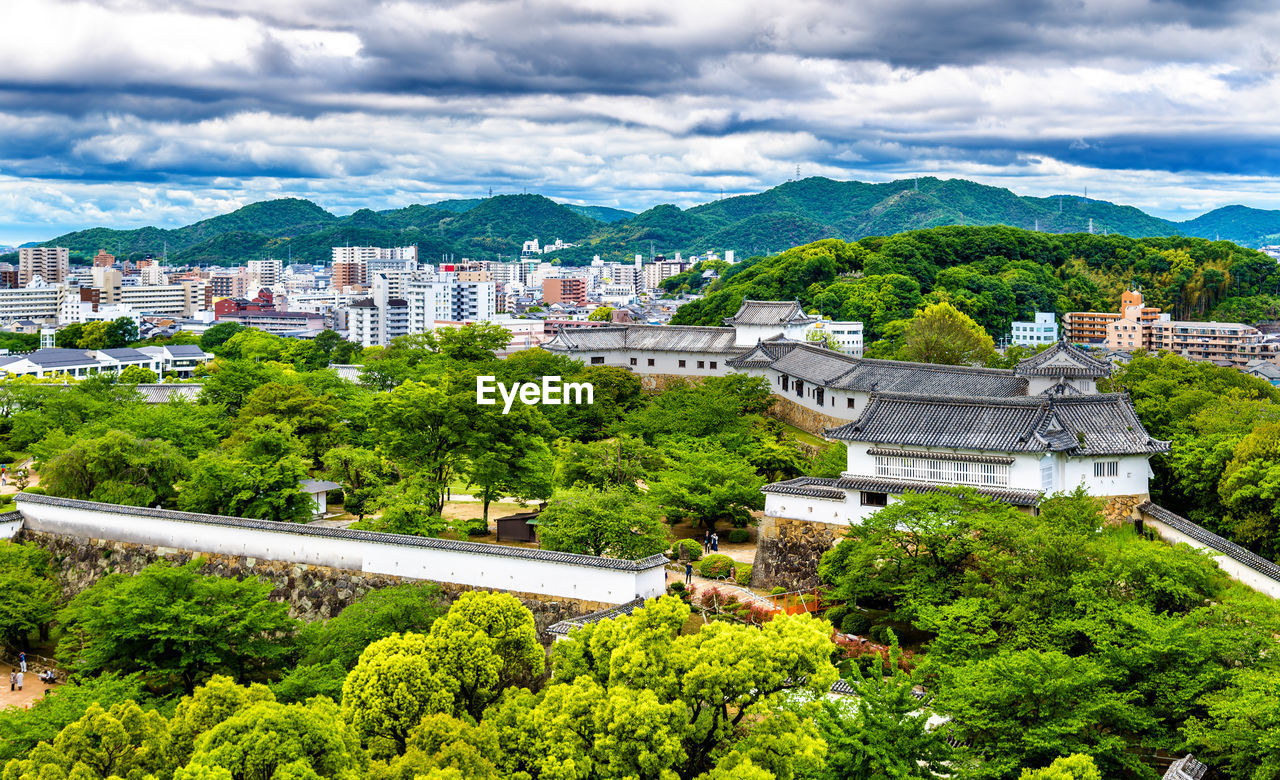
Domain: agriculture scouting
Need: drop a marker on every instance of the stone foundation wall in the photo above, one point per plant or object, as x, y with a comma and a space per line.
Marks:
658, 382
803, 417
312, 592
1123, 509
788, 552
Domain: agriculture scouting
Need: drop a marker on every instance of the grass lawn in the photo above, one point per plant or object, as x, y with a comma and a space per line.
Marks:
805, 436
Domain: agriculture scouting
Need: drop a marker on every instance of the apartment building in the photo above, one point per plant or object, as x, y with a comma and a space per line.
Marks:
32, 303
349, 273
1220, 342
265, 273
103, 259
51, 263
1090, 327
573, 291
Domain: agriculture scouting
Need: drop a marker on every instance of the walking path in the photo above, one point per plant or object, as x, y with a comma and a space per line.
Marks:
32, 688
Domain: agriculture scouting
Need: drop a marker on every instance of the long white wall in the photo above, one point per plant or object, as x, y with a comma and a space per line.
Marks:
464, 563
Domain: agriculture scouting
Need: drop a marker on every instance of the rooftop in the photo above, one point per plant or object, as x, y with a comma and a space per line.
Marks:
1063, 359
1103, 424
770, 313
656, 338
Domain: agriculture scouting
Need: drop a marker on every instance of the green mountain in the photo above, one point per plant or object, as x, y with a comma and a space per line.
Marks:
788, 215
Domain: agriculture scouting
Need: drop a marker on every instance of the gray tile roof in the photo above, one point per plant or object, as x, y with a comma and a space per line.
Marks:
54, 357
565, 626
186, 351
478, 548
1186, 768
812, 487
1063, 359
764, 353
1211, 540
318, 485
125, 355
164, 393
1103, 424
837, 370
769, 313
649, 338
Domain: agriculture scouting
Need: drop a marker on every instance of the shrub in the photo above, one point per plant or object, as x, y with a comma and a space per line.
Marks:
676, 587
855, 622
777, 590
716, 567
742, 574
36, 491
715, 599
334, 496
739, 536
690, 546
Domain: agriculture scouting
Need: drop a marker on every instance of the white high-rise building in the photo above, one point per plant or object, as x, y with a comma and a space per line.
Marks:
265, 273
50, 263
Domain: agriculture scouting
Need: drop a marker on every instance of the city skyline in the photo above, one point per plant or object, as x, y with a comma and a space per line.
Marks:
124, 114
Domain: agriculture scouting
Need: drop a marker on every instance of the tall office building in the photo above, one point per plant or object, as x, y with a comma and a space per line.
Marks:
52, 264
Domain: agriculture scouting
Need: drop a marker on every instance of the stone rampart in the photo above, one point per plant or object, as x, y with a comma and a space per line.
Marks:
788, 552
312, 592
802, 417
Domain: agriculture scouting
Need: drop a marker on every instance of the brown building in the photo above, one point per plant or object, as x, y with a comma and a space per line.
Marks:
572, 291
349, 273
103, 260
50, 263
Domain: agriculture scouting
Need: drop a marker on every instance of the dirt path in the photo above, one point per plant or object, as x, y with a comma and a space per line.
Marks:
32, 688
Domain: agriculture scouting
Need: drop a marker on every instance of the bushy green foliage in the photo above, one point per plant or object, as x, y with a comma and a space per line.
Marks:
716, 566
618, 522
691, 548
28, 592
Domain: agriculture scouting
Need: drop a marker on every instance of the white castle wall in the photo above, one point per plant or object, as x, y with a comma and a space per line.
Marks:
523, 570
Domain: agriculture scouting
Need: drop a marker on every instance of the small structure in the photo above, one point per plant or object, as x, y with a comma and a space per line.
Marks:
317, 489
520, 527
1186, 768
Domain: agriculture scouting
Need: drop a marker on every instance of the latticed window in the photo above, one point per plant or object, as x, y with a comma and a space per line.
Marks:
951, 472
1106, 468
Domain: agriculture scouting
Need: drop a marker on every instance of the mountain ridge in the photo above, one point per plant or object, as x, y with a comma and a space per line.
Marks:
790, 214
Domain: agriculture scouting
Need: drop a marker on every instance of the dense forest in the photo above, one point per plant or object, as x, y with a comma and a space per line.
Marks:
791, 214
997, 275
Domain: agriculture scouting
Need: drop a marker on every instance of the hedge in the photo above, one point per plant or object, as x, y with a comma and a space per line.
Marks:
716, 566
691, 546
739, 536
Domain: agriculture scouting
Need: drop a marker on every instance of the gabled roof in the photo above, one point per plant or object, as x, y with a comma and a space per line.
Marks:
1063, 359
163, 393
186, 351
56, 356
770, 313
819, 365
764, 353
835, 489
125, 355
1077, 425
656, 338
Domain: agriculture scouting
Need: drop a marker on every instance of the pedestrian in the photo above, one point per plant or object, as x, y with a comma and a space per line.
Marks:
706, 542
715, 542
13, 680
688, 573
22, 662
19, 680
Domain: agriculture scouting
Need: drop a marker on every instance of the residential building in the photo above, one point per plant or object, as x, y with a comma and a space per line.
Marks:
276, 321
847, 335
76, 363
177, 359
103, 259
35, 301
1090, 327
1225, 343
375, 256
1039, 332
565, 291
349, 274
264, 273
1264, 370
52, 264
8, 276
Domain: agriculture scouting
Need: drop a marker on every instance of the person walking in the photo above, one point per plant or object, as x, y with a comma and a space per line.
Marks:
22, 661
19, 680
715, 542
706, 543
13, 680
688, 572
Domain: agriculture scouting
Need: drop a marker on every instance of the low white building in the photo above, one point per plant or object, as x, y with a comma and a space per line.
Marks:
76, 363
845, 335
1011, 449
1044, 330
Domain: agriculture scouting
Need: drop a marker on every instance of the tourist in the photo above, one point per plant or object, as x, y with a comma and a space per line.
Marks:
22, 662
688, 573
13, 680
19, 680
706, 542
715, 542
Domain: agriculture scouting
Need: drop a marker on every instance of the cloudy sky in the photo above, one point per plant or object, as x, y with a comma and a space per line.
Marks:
132, 112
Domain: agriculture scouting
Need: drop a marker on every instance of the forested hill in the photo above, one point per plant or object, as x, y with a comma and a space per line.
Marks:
998, 274
785, 216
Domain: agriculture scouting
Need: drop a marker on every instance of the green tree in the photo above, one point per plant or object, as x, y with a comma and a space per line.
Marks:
424, 429
1241, 731
943, 334
507, 455
880, 732
68, 336
121, 741
175, 627
206, 707
1073, 767
28, 592
259, 475
21, 729
620, 461
314, 419
601, 314
117, 468
273, 740
1250, 489
706, 487
137, 375
121, 332
361, 472
395, 684
617, 522
473, 343
213, 338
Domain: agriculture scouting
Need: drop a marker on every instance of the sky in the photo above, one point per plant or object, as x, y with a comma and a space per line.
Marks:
124, 113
